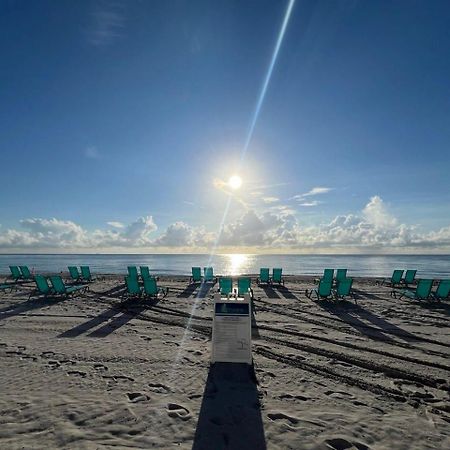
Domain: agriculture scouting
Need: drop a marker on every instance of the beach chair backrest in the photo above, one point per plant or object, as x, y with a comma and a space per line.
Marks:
225, 285
73, 272
276, 275
196, 274
145, 272
15, 272
86, 272
423, 289
132, 285
209, 273
58, 284
443, 289
409, 276
244, 284
324, 289
42, 284
341, 274
397, 276
264, 275
25, 272
344, 287
150, 286
132, 271
328, 275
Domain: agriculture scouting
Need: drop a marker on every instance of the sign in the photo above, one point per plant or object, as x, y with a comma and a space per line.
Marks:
232, 330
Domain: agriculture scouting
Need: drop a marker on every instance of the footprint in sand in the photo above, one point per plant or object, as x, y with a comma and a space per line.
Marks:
290, 421
159, 388
343, 444
53, 364
146, 338
178, 411
78, 373
294, 397
136, 397
100, 367
339, 394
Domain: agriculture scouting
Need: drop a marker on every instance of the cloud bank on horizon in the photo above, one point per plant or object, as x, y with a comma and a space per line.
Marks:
275, 229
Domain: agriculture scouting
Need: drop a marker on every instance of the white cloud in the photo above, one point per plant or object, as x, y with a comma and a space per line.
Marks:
92, 152
319, 190
270, 199
107, 22
309, 204
115, 224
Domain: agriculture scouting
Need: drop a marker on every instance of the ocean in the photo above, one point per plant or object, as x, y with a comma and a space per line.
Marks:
428, 266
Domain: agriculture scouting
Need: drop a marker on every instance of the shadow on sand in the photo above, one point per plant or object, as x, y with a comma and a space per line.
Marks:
30, 305
378, 328
230, 415
269, 291
203, 290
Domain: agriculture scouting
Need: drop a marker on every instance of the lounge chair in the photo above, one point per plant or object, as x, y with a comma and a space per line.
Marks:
133, 288
10, 286
409, 278
151, 288
276, 276
196, 275
74, 273
323, 291
442, 291
395, 280
341, 274
132, 272
86, 274
422, 291
42, 287
208, 274
145, 272
61, 289
244, 286
264, 276
15, 273
26, 274
344, 289
328, 275
225, 285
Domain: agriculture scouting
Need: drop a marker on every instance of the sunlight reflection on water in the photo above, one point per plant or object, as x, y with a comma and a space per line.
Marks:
238, 263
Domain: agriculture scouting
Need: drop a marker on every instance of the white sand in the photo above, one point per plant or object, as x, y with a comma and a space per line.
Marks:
92, 373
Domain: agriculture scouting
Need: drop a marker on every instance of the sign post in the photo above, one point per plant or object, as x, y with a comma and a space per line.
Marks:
232, 330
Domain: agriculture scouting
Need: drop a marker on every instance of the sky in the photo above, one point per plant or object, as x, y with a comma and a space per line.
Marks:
121, 123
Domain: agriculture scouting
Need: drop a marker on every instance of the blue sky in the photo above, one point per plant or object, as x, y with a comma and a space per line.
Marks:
121, 123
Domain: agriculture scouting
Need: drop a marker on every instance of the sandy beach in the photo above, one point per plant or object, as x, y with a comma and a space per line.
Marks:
98, 371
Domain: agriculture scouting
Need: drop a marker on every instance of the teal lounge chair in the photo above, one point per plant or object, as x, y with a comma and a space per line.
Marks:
10, 286
15, 273
208, 273
244, 286
151, 288
61, 289
132, 272
86, 274
196, 275
133, 288
409, 278
422, 291
341, 274
442, 291
26, 274
323, 291
276, 276
42, 287
328, 275
395, 280
225, 285
145, 272
344, 289
74, 273
264, 276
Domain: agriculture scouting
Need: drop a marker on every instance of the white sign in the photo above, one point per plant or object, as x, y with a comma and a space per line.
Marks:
232, 330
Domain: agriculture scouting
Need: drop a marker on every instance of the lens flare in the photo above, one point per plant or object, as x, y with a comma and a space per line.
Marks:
235, 182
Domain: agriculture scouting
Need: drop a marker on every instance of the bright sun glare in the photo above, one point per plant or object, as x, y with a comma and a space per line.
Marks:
235, 182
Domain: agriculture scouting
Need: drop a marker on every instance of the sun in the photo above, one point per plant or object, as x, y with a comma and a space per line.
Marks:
235, 182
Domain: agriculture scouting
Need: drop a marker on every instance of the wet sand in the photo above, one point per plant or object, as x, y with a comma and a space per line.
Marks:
99, 371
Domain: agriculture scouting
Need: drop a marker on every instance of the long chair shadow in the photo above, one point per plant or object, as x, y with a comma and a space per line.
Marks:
188, 290
29, 305
269, 291
255, 329
230, 414
115, 291
285, 292
204, 289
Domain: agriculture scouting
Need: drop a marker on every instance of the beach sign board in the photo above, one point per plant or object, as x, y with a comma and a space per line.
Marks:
232, 330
